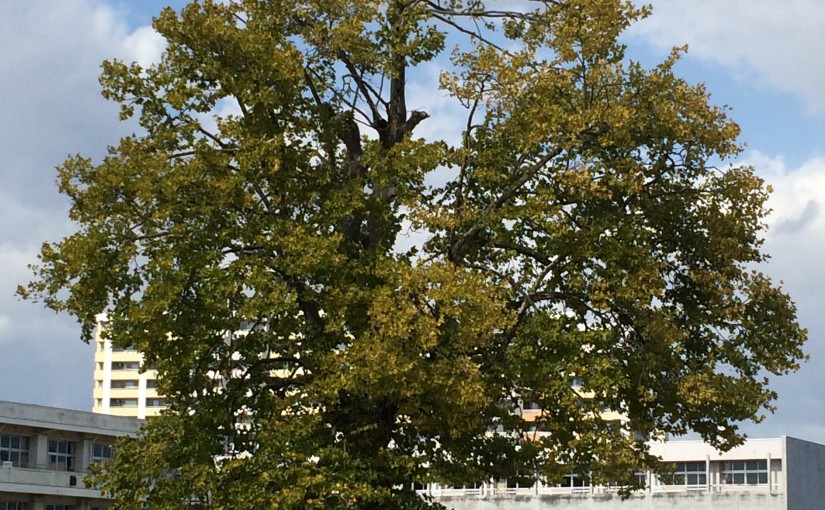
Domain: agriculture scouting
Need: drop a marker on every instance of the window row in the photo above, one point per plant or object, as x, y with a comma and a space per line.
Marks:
130, 384
125, 365
61, 454
133, 402
746, 472
750, 472
13, 505
101, 346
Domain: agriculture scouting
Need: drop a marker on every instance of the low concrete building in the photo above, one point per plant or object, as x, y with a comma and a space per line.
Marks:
763, 474
45, 452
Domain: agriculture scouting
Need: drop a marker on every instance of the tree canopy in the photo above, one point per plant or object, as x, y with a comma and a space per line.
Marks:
582, 227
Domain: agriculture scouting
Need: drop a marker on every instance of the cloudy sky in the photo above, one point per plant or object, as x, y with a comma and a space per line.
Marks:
763, 58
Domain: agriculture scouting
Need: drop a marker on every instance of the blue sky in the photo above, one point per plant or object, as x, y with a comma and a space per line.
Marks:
764, 59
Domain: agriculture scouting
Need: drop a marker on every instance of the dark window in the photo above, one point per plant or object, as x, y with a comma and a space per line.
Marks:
13, 505
101, 452
123, 402
14, 449
125, 384
125, 365
573, 480
61, 455
745, 472
688, 473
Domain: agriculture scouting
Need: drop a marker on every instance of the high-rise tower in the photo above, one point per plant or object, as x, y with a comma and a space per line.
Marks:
120, 388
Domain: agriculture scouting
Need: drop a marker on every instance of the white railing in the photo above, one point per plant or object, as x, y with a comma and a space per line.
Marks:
492, 490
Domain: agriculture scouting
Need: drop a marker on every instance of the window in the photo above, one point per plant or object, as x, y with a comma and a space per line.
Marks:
126, 365
745, 472
151, 384
155, 402
12, 505
15, 449
101, 452
61, 455
573, 480
639, 479
687, 473
59, 507
125, 384
520, 481
117, 348
123, 402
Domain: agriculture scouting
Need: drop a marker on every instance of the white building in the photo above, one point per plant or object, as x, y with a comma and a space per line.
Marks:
45, 452
763, 474
120, 389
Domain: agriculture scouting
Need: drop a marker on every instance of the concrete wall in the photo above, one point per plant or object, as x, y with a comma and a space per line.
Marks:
691, 450
805, 467
672, 501
51, 418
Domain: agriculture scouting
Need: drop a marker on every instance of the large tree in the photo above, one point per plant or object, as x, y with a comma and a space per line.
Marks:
582, 225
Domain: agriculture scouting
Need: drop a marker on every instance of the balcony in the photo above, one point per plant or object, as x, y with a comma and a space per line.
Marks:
27, 480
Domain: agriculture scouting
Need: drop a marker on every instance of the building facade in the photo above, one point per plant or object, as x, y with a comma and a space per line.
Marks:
45, 453
120, 388
763, 474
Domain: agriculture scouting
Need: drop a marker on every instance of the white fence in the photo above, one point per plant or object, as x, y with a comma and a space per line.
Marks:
498, 490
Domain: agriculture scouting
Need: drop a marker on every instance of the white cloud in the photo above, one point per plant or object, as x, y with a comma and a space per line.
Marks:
796, 227
776, 43
143, 46
798, 193
447, 117
50, 56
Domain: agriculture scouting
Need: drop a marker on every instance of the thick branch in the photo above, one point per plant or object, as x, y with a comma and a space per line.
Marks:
524, 250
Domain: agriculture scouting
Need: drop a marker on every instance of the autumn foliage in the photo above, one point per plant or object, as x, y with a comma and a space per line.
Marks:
339, 306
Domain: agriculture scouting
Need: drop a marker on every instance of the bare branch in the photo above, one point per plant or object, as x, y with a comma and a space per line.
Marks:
524, 250
475, 35
363, 86
462, 244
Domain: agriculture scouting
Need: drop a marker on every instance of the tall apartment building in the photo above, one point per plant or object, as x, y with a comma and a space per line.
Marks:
120, 389
45, 452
